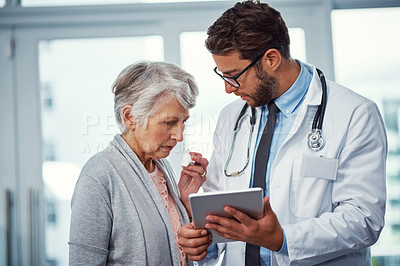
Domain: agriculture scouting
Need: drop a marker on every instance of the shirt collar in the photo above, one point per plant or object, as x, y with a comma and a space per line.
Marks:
294, 96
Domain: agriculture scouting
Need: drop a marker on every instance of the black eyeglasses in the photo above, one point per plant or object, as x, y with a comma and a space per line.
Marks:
233, 80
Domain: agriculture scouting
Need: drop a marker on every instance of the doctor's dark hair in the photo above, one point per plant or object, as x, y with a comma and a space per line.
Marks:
146, 85
250, 28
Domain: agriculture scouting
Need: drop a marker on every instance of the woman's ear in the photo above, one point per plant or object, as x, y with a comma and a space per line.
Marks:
128, 118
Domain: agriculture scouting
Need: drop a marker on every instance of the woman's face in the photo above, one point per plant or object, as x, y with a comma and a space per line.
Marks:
162, 132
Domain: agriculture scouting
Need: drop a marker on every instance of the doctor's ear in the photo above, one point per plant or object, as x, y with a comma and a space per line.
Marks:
272, 59
128, 118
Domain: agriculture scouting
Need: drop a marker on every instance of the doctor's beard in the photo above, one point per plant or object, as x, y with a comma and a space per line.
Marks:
265, 91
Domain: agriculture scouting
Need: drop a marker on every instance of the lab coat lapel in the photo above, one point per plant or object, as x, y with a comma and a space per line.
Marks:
307, 109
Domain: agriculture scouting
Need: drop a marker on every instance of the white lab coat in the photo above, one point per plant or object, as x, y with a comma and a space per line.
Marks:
330, 215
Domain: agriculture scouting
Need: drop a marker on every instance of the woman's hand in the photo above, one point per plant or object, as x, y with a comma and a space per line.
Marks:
194, 242
192, 177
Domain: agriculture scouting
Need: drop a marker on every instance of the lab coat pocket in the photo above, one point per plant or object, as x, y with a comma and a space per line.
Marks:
318, 167
311, 185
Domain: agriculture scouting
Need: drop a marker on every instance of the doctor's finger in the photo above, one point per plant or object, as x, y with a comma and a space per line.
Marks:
267, 205
238, 215
223, 224
225, 231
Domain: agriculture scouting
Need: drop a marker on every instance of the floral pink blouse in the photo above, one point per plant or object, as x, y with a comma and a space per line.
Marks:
161, 184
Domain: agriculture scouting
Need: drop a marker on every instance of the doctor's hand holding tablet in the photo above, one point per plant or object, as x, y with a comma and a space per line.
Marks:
242, 215
264, 231
237, 216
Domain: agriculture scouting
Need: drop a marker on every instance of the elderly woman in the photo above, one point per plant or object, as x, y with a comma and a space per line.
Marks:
126, 207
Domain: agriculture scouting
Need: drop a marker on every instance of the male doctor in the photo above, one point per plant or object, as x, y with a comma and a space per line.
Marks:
321, 207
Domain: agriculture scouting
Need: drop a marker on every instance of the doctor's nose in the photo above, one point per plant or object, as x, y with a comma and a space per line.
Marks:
229, 88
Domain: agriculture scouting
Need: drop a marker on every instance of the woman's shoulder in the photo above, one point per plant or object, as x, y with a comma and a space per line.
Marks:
102, 163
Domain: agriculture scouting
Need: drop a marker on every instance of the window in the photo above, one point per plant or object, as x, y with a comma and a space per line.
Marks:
51, 213
47, 100
367, 60
81, 120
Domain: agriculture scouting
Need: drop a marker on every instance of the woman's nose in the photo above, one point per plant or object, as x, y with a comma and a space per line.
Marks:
178, 132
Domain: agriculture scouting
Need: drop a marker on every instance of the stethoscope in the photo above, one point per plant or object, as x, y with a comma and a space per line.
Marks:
315, 140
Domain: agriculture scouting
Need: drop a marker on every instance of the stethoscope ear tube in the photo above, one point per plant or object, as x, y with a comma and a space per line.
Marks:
315, 140
241, 114
319, 116
237, 127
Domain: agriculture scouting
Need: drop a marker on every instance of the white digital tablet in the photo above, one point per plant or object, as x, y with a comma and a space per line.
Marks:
249, 201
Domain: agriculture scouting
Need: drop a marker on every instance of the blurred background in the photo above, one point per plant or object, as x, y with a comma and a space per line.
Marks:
59, 58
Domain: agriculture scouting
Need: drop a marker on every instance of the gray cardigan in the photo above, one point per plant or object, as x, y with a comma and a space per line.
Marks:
118, 216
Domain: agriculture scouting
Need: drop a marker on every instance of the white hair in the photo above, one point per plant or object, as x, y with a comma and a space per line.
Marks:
144, 84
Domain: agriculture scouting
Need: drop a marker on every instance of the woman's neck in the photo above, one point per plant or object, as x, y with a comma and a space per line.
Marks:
146, 161
149, 165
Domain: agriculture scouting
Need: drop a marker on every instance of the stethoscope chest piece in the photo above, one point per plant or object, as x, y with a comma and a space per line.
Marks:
315, 140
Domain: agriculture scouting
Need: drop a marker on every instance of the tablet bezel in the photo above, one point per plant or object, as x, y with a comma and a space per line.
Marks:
250, 201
